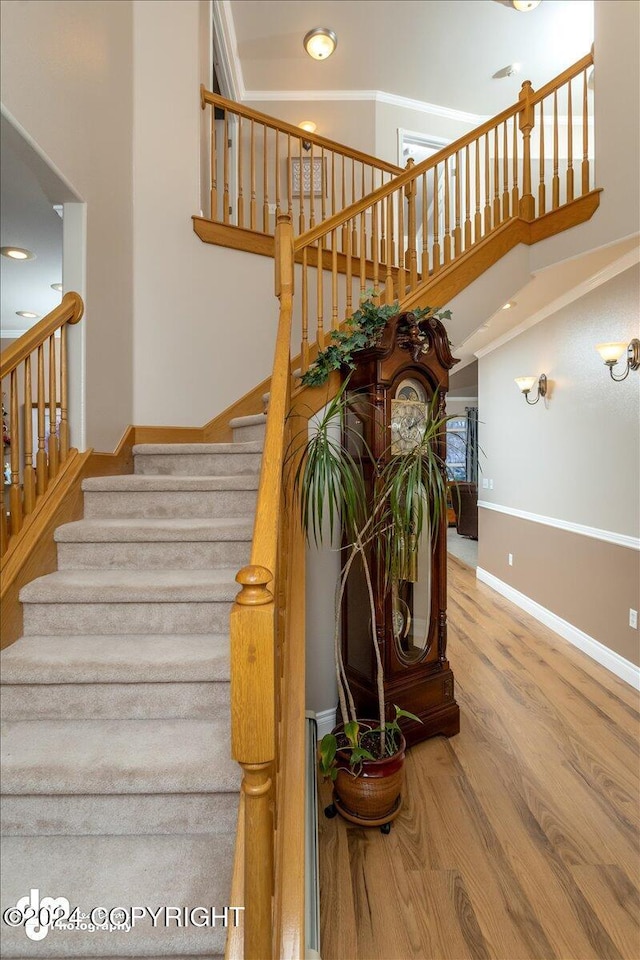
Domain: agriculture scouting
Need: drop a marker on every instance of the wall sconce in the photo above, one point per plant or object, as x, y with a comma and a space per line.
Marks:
524, 6
310, 127
320, 43
526, 383
611, 353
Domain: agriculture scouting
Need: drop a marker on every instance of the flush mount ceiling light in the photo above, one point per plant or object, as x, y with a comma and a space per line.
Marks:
612, 352
524, 6
509, 304
57, 286
17, 253
27, 314
308, 125
525, 385
320, 43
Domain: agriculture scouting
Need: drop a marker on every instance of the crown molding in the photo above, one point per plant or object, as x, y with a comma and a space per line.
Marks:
623, 263
226, 47
375, 96
608, 536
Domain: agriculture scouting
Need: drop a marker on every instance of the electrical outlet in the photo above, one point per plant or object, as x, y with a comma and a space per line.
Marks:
272, 208
485, 483
490, 484
633, 618
510, 559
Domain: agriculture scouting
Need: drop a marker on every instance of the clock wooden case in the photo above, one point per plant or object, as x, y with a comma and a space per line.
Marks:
388, 396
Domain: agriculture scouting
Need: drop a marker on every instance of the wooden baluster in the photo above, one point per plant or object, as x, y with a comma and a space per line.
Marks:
457, 232
569, 145
424, 264
333, 182
277, 176
542, 197
225, 170
585, 135
354, 230
477, 220
253, 746
412, 254
515, 192
320, 292
265, 180
240, 217
497, 218
447, 214
388, 283
304, 350
526, 120
343, 203
348, 308
214, 166
467, 199
29, 475
54, 450
375, 247
383, 234
289, 191
253, 214
301, 220
505, 172
15, 491
487, 187
335, 323
4, 527
322, 184
312, 195
436, 217
63, 431
363, 254
555, 183
42, 469
402, 273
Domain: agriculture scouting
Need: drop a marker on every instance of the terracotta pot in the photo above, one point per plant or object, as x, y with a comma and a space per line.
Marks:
374, 796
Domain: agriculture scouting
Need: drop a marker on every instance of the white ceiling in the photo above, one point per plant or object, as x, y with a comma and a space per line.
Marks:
443, 52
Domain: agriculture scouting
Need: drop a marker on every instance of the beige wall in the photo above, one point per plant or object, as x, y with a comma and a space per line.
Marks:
67, 79
573, 457
205, 317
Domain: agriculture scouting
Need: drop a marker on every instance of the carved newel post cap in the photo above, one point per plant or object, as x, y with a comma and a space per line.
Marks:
253, 580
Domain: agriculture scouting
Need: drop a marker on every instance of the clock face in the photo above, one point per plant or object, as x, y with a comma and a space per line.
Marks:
408, 416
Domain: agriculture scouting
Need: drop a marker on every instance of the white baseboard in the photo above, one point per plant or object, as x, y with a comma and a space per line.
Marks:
325, 719
622, 668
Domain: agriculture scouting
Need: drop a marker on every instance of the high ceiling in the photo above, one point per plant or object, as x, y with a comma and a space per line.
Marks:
443, 52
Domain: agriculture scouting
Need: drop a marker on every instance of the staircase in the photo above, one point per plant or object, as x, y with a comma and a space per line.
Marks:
119, 789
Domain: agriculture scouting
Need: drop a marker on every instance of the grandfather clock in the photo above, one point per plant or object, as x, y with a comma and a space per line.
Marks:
389, 395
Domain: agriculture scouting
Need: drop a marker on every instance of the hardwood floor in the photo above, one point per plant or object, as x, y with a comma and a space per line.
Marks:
519, 837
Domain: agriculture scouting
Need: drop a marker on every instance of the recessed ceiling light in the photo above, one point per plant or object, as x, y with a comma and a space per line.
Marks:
308, 125
27, 314
17, 253
524, 6
320, 43
57, 286
509, 304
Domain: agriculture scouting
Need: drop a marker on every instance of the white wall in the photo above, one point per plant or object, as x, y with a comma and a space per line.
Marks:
205, 317
67, 80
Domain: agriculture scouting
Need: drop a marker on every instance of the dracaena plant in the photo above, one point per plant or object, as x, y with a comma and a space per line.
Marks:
408, 497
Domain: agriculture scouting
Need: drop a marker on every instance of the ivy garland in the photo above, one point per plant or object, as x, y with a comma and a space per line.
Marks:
363, 330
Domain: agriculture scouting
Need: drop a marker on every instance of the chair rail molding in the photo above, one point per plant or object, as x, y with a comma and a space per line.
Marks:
608, 536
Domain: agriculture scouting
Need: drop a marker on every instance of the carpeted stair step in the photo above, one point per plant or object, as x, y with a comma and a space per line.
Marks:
198, 459
139, 496
110, 872
248, 428
121, 677
117, 758
71, 602
153, 544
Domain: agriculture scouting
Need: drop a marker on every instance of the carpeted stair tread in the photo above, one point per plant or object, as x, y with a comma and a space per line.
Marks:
117, 659
178, 870
177, 449
253, 420
133, 586
118, 757
154, 529
141, 482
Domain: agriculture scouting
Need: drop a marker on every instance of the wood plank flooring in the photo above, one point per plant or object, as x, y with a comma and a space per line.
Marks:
519, 837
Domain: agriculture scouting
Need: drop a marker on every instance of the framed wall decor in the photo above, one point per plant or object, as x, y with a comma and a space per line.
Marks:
319, 176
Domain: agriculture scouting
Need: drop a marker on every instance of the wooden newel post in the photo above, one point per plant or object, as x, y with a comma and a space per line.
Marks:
526, 122
253, 746
411, 259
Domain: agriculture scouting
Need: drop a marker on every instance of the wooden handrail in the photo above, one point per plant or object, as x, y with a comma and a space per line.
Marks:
70, 310
284, 127
411, 174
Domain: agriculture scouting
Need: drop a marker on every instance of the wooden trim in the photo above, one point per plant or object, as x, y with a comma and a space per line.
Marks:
163, 434
562, 78
237, 238
69, 311
111, 464
567, 216
234, 949
289, 128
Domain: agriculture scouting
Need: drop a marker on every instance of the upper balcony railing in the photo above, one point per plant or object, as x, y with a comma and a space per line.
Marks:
262, 167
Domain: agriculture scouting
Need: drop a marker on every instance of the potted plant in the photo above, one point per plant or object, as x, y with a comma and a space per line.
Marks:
363, 756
